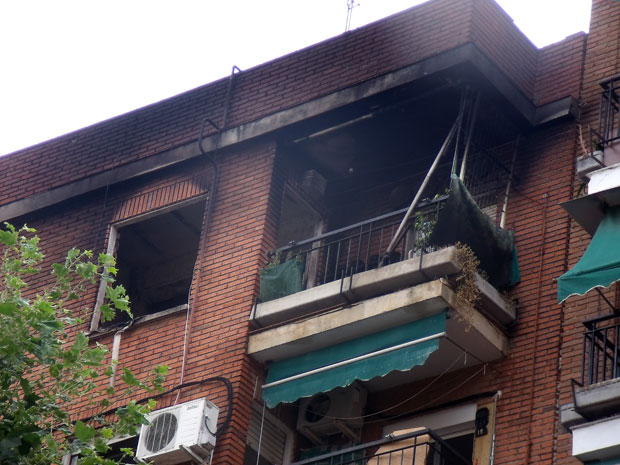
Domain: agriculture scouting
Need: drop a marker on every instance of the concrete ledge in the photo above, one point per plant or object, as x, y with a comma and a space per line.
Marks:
569, 417
494, 304
358, 287
597, 440
466, 326
377, 282
599, 399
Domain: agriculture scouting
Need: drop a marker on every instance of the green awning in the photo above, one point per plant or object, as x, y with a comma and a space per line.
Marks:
364, 358
600, 264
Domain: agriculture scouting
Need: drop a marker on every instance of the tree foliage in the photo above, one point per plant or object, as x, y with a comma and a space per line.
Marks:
47, 367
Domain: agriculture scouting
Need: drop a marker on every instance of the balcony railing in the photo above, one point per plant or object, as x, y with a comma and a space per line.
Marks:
609, 110
418, 448
601, 352
362, 246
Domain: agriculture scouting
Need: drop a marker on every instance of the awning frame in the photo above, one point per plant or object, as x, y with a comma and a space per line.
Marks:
599, 266
355, 359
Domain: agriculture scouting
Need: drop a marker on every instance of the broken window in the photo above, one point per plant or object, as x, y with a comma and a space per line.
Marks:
155, 256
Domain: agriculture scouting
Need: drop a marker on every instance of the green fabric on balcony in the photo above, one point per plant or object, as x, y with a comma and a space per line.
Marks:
400, 358
600, 264
281, 280
461, 220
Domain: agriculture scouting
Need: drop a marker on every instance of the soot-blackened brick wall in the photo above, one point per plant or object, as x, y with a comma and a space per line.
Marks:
246, 208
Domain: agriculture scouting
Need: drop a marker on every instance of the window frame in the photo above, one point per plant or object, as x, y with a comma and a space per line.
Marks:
95, 322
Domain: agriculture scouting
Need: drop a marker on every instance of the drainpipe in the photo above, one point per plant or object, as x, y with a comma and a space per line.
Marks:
207, 219
541, 258
116, 346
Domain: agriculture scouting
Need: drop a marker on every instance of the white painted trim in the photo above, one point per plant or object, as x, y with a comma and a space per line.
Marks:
448, 422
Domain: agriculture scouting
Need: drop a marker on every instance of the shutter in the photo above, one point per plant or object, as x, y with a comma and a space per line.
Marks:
273, 441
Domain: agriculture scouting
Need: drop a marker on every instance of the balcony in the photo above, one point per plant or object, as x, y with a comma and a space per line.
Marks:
593, 415
348, 306
604, 146
417, 448
363, 292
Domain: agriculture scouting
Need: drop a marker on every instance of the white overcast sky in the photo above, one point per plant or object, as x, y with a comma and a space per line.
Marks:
66, 64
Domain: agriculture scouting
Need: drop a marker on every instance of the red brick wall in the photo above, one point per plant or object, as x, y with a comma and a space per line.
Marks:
222, 299
528, 378
493, 32
559, 70
246, 209
544, 171
601, 62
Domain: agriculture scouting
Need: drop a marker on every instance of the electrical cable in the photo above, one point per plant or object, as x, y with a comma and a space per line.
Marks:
221, 379
434, 399
260, 435
403, 401
189, 316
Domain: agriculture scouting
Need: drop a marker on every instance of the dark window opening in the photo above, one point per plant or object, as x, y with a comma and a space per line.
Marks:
155, 258
250, 458
463, 445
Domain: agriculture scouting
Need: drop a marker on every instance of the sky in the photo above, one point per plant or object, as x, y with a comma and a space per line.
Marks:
67, 64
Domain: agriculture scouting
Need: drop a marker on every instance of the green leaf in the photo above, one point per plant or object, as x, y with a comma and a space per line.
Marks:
101, 445
8, 238
7, 308
106, 433
54, 370
107, 313
129, 378
81, 342
59, 270
84, 432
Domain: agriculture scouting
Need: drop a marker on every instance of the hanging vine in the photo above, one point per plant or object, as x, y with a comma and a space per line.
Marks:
467, 291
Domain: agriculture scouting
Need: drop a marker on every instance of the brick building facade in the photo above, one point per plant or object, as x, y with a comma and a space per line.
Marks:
305, 166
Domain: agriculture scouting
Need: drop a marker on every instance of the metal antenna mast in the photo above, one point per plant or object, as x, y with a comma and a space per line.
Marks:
350, 5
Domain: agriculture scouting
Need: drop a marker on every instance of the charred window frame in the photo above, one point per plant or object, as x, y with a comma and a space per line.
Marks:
155, 255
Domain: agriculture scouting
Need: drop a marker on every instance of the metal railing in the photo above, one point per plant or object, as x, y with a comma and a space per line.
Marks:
609, 110
601, 352
422, 447
362, 246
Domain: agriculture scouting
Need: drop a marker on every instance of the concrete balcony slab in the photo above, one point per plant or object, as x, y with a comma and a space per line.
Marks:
377, 282
466, 328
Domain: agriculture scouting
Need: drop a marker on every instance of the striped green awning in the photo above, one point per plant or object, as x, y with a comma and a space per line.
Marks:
400, 348
600, 264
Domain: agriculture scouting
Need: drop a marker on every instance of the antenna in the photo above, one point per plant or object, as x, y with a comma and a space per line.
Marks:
350, 5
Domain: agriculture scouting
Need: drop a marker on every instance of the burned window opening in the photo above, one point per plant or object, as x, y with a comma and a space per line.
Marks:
155, 257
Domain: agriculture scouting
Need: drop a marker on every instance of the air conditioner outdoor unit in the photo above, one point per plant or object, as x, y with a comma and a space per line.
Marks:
333, 412
179, 433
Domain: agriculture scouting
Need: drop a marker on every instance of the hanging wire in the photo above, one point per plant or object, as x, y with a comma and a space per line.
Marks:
260, 435
435, 399
437, 378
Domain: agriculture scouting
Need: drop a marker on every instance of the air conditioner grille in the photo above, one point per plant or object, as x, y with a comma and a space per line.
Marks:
161, 432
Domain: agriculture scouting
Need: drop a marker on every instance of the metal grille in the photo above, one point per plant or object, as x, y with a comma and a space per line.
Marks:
362, 246
419, 448
601, 354
161, 432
